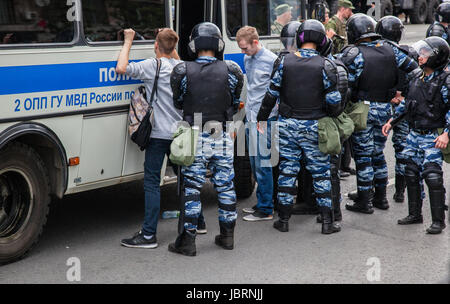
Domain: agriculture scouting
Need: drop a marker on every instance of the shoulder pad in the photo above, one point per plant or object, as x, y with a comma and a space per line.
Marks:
349, 54
401, 49
436, 29
234, 68
277, 62
331, 70
180, 69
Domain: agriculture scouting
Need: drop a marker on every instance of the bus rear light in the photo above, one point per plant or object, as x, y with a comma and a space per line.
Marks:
74, 161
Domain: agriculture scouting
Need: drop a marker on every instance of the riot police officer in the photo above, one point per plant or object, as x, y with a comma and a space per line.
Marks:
373, 72
305, 202
306, 84
391, 28
426, 109
439, 28
212, 88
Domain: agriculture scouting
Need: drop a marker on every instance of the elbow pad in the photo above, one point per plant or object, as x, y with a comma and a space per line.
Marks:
409, 65
178, 73
266, 107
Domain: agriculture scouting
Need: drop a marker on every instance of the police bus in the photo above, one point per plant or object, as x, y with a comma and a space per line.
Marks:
63, 115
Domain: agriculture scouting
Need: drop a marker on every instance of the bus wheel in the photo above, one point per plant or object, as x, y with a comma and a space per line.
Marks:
418, 14
24, 200
244, 183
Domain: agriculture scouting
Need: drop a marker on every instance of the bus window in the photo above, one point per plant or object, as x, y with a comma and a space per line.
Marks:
234, 16
105, 19
35, 21
262, 14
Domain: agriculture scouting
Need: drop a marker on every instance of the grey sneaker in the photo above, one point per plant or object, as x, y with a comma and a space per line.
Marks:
258, 216
249, 210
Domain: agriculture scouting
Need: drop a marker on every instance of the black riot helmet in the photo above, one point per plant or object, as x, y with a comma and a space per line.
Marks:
311, 31
443, 12
360, 26
327, 48
390, 28
206, 36
288, 34
435, 49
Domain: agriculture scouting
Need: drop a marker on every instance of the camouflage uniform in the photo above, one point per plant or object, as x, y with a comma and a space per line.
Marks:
369, 144
297, 136
339, 41
214, 152
276, 28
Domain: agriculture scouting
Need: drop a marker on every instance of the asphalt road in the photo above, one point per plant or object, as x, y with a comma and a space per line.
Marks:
89, 227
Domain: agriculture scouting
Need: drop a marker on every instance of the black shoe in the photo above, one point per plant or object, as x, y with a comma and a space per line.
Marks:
226, 237
436, 228
305, 208
349, 170
139, 241
337, 217
363, 204
410, 219
380, 201
184, 244
328, 225
282, 226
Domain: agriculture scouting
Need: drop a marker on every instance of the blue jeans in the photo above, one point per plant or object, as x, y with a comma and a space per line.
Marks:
261, 169
154, 158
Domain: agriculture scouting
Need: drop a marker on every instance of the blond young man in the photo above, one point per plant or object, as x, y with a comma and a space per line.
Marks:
258, 63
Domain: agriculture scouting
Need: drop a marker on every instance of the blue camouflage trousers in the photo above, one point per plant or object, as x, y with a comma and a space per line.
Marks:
420, 150
399, 138
297, 136
368, 146
216, 154
400, 132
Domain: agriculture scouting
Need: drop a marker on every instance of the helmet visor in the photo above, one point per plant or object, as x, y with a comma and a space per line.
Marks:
423, 49
288, 44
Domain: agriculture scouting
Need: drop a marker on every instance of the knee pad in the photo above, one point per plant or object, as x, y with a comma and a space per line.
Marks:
434, 181
412, 173
429, 168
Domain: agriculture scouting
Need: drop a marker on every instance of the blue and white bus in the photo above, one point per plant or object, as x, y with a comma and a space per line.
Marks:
63, 108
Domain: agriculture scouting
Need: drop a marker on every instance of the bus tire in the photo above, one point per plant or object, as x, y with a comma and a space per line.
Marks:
418, 14
244, 183
24, 200
387, 9
432, 6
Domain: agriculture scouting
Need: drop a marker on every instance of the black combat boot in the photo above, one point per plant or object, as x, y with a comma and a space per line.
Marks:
400, 185
437, 203
226, 237
380, 201
335, 196
185, 243
414, 197
306, 201
353, 195
328, 225
284, 213
363, 204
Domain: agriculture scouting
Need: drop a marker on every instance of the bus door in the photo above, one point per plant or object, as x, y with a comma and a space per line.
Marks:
188, 14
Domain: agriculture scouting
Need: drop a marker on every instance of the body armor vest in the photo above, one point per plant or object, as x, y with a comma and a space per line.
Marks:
425, 107
302, 90
208, 92
378, 81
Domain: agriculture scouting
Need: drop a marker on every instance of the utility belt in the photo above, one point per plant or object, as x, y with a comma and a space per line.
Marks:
287, 111
223, 118
377, 96
424, 131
